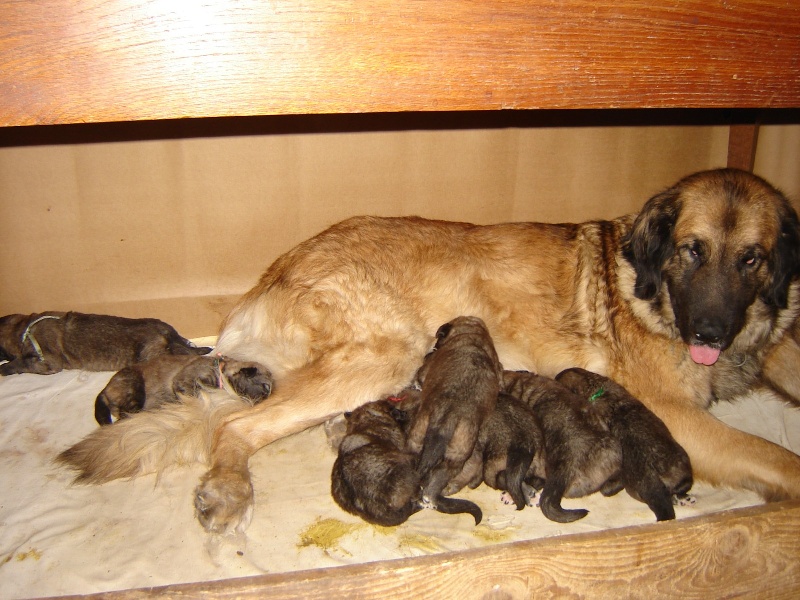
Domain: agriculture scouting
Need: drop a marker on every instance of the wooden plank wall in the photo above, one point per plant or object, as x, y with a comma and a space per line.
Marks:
752, 552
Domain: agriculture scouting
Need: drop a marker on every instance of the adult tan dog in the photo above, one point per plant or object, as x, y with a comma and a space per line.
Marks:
706, 273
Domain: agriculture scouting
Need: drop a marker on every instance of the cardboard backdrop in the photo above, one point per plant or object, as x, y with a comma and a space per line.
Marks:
178, 229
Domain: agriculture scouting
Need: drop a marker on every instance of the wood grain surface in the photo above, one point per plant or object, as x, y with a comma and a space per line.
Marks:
63, 61
751, 552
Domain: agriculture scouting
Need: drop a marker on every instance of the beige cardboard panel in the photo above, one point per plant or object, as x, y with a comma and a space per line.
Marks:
778, 158
570, 175
177, 229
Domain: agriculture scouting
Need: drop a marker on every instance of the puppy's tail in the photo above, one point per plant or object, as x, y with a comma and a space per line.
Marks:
550, 502
456, 506
150, 441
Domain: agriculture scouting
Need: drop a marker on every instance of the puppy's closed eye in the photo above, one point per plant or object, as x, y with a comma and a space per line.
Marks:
248, 372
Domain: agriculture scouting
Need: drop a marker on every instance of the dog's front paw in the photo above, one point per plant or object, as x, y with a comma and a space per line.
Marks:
223, 501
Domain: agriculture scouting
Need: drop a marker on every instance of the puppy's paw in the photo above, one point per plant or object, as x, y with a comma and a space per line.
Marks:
530, 494
683, 499
427, 503
335, 430
223, 501
506, 498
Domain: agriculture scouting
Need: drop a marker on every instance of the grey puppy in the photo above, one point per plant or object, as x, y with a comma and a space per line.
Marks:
49, 342
460, 381
509, 446
374, 476
581, 454
160, 380
655, 468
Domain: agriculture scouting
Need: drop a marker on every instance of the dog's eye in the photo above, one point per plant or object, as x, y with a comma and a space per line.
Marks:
750, 261
694, 251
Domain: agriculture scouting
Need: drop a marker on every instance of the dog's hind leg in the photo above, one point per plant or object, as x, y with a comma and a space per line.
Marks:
339, 381
780, 366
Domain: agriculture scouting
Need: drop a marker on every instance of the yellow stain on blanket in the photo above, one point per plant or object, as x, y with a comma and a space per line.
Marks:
493, 536
326, 533
32, 553
419, 542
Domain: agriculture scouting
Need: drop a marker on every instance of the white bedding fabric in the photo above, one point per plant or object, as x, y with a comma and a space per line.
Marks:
58, 539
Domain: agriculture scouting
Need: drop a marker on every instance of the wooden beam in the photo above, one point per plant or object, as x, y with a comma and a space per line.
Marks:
63, 61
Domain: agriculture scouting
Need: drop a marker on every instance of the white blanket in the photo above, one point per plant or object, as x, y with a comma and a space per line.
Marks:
57, 538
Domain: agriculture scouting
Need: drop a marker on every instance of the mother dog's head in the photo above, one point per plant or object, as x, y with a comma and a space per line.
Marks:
720, 241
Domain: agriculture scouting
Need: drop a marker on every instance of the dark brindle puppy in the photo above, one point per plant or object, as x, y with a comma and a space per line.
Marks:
580, 454
509, 443
655, 468
162, 379
374, 476
47, 343
460, 381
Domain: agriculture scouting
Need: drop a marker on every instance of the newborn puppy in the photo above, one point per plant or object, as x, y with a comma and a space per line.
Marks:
159, 380
47, 343
508, 443
655, 468
374, 476
580, 454
460, 381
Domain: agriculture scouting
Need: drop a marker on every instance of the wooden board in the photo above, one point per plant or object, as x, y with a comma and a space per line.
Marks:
750, 552
63, 61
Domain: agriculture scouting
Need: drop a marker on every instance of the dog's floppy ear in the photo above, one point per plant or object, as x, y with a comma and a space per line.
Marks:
442, 333
649, 243
784, 259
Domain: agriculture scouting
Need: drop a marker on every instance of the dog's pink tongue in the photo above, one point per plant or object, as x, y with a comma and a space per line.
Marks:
704, 355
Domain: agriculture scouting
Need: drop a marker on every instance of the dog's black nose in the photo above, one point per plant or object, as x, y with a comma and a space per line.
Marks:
708, 332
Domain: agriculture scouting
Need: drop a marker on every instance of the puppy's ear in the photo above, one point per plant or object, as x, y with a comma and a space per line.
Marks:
401, 416
649, 244
248, 372
442, 333
784, 260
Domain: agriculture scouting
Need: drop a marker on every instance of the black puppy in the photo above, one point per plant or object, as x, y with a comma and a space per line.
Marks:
580, 454
49, 342
655, 468
161, 379
374, 476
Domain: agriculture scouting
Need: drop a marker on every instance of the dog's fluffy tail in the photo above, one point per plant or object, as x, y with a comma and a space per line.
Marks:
150, 441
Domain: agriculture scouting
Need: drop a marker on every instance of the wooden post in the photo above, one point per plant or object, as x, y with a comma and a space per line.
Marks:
742, 142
